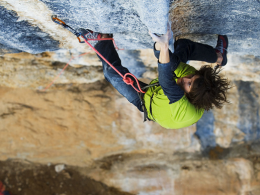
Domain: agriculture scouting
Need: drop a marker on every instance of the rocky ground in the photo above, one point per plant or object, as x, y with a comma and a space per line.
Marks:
27, 178
232, 175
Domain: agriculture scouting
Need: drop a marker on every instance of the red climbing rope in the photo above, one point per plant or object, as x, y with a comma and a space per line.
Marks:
104, 39
128, 80
72, 58
125, 77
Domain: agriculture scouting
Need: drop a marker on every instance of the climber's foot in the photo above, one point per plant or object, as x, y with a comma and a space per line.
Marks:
89, 34
221, 50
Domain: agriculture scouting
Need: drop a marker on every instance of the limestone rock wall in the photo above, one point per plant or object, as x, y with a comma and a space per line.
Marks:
201, 19
79, 125
82, 121
28, 26
93, 126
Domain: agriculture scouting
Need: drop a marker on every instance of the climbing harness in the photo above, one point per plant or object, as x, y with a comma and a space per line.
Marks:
141, 97
126, 77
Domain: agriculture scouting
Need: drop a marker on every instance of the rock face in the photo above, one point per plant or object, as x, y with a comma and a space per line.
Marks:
237, 19
72, 122
93, 126
129, 21
82, 121
27, 25
20, 36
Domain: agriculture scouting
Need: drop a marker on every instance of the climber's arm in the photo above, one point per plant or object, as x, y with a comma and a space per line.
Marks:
164, 56
175, 61
166, 80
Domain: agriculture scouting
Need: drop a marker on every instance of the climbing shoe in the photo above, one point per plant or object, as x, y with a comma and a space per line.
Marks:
222, 45
89, 34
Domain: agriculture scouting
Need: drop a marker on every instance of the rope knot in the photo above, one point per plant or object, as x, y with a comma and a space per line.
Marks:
128, 80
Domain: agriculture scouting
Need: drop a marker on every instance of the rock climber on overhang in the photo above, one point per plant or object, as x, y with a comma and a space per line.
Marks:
179, 96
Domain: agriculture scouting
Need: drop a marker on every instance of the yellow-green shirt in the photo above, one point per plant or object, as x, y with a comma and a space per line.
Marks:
177, 115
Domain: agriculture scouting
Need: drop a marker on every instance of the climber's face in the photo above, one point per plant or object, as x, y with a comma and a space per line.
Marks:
186, 82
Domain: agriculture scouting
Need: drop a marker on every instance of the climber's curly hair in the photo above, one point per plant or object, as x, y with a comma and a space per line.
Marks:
209, 89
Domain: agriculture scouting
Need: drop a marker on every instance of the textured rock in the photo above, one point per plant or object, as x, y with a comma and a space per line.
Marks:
84, 122
69, 126
24, 70
28, 29
93, 126
21, 36
166, 175
130, 22
202, 19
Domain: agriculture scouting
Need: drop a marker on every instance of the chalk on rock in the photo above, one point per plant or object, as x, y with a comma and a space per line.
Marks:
59, 168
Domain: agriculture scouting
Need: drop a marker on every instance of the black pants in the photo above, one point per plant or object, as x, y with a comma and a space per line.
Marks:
185, 50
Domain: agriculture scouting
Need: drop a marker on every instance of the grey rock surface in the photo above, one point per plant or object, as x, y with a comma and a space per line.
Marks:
5, 49
238, 19
17, 36
130, 22
249, 110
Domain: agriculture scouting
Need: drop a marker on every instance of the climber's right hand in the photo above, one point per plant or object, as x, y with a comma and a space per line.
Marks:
161, 39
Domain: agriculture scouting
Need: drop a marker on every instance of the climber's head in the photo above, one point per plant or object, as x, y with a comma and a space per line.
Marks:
187, 82
207, 89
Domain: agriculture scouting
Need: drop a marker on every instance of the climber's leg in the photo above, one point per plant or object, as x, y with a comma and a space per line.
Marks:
188, 50
107, 49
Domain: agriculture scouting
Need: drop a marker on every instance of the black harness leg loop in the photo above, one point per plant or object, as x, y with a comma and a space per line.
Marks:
141, 96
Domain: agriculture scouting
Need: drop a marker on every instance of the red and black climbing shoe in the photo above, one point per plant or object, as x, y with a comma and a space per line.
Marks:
92, 35
89, 34
222, 45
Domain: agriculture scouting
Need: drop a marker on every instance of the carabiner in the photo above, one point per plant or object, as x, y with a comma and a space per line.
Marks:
60, 22
57, 20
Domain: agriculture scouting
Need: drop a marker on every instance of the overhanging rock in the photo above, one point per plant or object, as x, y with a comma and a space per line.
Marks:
129, 21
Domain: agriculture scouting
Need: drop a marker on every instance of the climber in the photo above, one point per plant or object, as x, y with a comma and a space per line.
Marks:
182, 93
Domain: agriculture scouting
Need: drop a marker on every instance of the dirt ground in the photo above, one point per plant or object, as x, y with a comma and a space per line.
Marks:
34, 179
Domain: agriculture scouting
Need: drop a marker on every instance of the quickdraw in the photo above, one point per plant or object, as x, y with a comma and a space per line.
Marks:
128, 80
